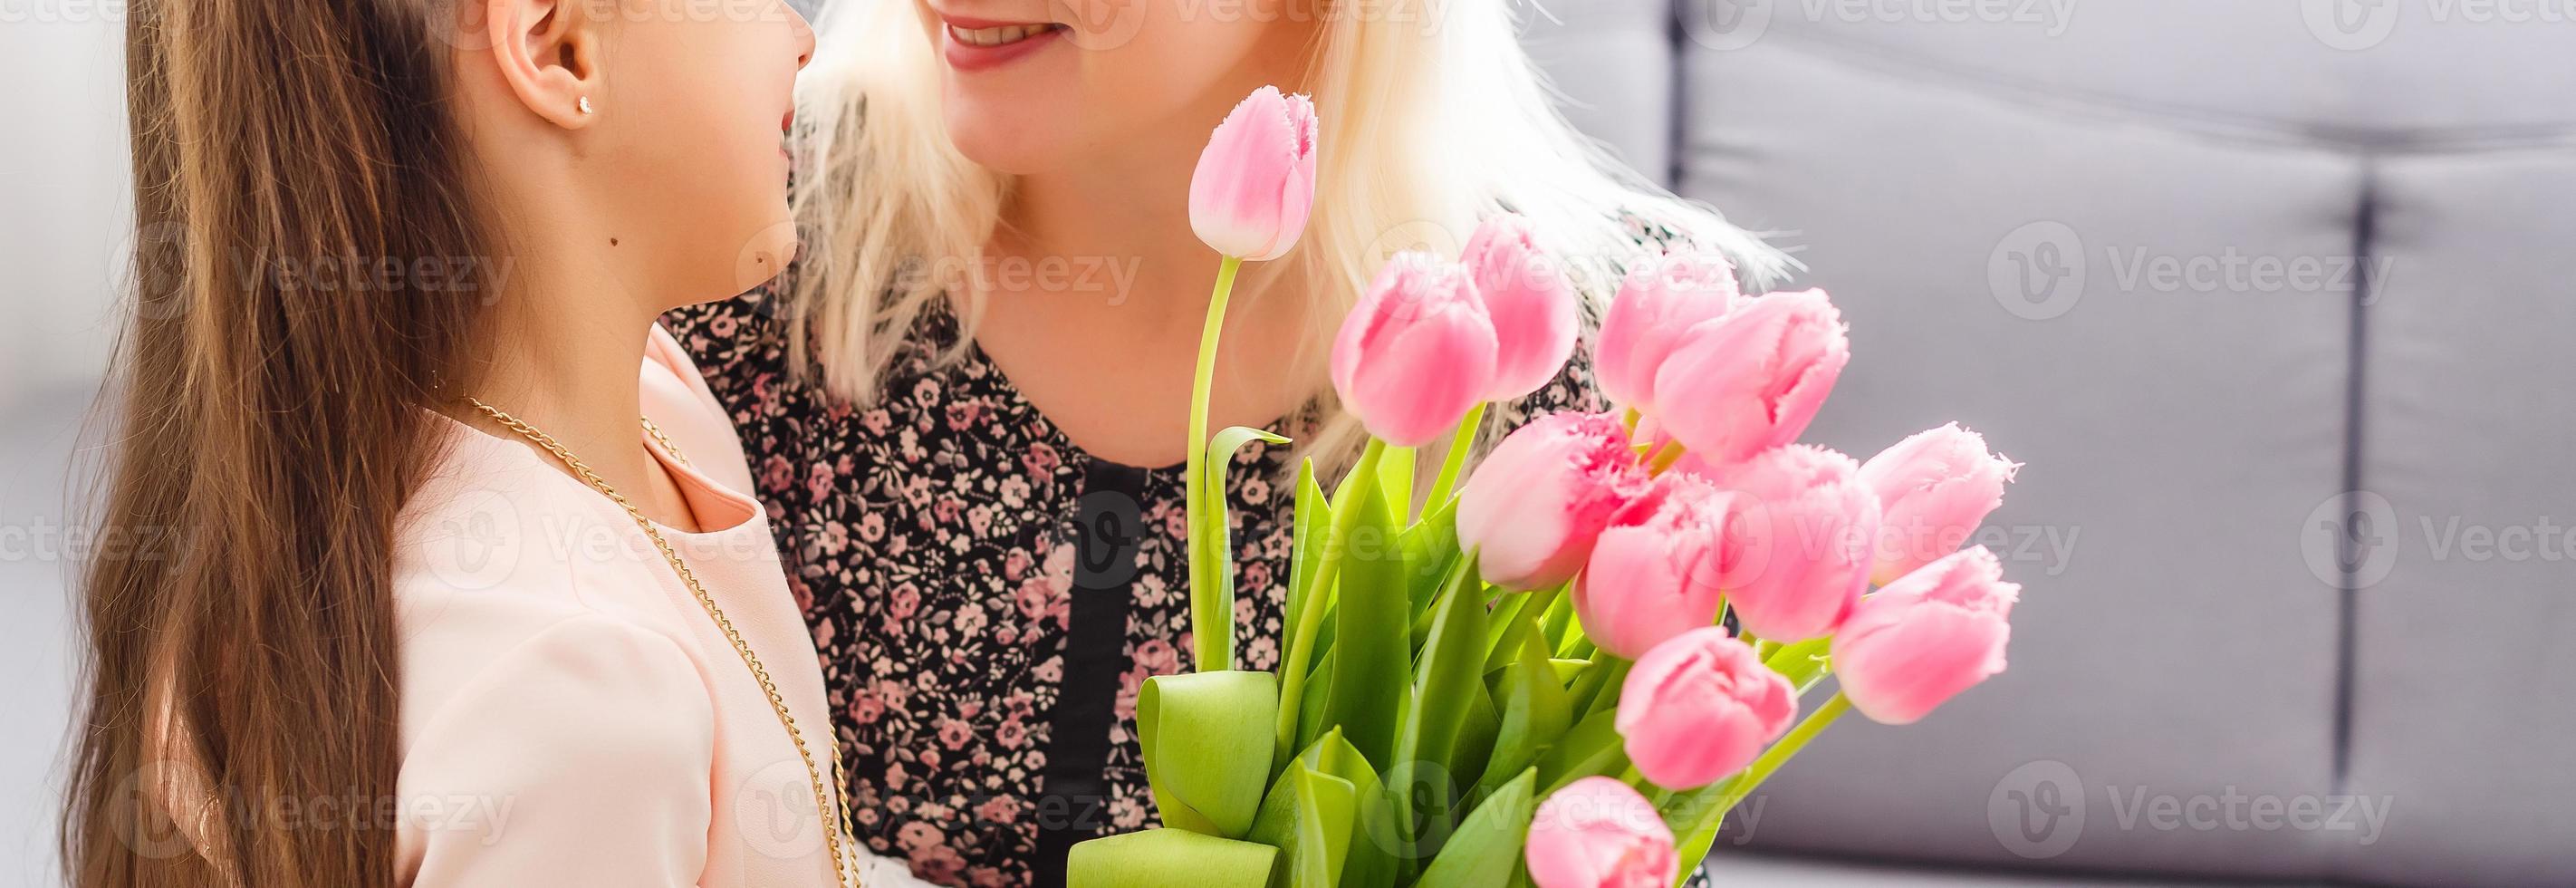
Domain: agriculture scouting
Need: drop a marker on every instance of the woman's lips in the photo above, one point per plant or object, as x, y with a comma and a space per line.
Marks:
977, 45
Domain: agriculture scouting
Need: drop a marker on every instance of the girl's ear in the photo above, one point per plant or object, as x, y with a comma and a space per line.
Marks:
549, 54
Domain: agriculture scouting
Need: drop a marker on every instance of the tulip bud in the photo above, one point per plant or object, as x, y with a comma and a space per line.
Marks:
1657, 302
1599, 833
1751, 381
1803, 533
1701, 706
1532, 305
1416, 352
1926, 637
1536, 503
1658, 570
1255, 182
1933, 488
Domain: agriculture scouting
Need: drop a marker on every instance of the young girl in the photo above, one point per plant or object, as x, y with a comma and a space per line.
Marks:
968, 401
446, 576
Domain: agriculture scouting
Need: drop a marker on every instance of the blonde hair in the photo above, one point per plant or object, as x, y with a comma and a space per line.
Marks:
1432, 116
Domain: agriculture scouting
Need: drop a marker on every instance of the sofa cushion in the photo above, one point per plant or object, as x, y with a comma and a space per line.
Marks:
2464, 703
2095, 289
1611, 62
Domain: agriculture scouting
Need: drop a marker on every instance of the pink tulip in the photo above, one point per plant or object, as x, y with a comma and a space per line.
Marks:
1751, 381
1934, 489
1701, 706
1803, 537
1255, 182
1536, 503
1926, 637
1658, 570
1598, 833
1657, 303
1532, 305
1416, 352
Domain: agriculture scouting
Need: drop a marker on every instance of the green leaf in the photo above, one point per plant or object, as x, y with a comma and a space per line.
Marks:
1212, 539
1566, 670
1368, 860
1444, 681
1506, 622
1431, 551
1535, 712
1475, 745
1310, 711
1597, 689
1589, 749
1518, 615
1486, 850
1395, 478
1313, 523
1305, 682
1369, 622
1168, 858
1309, 815
1308, 587
1563, 634
1206, 739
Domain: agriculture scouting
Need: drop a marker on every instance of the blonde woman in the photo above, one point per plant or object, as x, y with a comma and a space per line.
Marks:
966, 402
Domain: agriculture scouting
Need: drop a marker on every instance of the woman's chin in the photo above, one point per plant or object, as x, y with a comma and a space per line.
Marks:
1012, 138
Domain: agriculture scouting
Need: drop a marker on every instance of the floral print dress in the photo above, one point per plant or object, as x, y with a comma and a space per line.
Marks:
987, 597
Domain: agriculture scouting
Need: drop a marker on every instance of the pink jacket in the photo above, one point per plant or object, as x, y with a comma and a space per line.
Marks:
571, 715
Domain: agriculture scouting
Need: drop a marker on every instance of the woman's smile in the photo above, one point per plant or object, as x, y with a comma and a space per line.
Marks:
980, 44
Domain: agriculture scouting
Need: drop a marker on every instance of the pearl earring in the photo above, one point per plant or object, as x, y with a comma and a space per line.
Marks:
583, 103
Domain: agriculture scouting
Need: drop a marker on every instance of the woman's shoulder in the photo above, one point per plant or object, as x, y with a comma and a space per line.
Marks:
744, 333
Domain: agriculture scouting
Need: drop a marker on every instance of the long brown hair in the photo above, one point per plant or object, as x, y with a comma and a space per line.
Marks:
292, 158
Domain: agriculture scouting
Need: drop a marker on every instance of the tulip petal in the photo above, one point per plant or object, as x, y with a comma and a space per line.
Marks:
1253, 187
1923, 639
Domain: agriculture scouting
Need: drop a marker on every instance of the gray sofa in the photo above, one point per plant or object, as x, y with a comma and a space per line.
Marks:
2271, 299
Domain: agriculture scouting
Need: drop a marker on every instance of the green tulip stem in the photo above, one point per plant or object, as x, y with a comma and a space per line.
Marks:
1779, 753
1456, 460
1211, 610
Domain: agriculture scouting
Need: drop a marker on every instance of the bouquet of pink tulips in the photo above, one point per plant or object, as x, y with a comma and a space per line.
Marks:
1567, 672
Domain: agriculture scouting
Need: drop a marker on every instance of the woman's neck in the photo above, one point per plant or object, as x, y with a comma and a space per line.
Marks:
1123, 234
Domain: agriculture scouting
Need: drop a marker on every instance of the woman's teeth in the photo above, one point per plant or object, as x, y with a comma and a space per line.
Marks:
1001, 36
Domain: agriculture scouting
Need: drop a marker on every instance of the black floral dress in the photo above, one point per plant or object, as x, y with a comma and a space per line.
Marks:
986, 597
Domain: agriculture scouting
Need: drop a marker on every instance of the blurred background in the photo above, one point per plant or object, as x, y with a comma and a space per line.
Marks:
2271, 297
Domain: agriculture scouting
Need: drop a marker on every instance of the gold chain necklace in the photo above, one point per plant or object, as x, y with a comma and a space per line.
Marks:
828, 799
